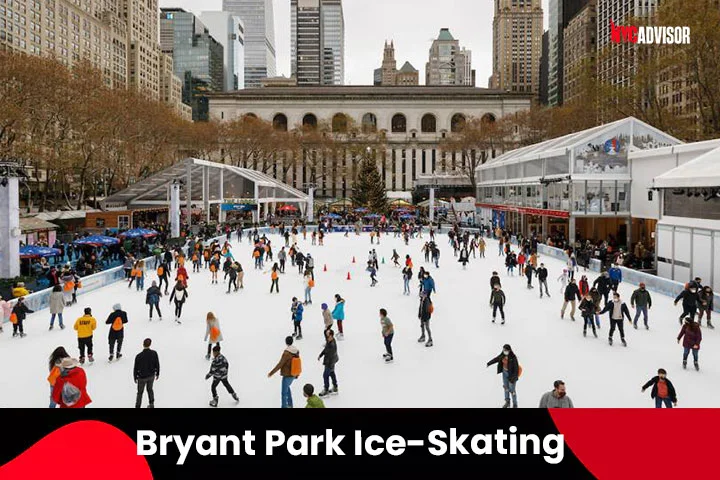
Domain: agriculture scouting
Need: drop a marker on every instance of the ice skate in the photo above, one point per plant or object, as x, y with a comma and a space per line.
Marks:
623, 342
506, 404
110, 358
429, 343
150, 319
493, 320
421, 339
572, 318
388, 359
325, 392
51, 327
235, 397
119, 356
684, 365
214, 402
697, 366
334, 390
710, 325
584, 333
299, 337
595, 333
82, 360
91, 359
207, 357
635, 326
62, 327
23, 335
610, 341
503, 322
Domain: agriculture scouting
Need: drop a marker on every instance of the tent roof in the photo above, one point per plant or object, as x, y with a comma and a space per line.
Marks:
703, 171
237, 183
34, 224
560, 145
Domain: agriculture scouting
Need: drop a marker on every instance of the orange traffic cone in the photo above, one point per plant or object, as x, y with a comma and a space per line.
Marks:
353, 259
348, 277
325, 268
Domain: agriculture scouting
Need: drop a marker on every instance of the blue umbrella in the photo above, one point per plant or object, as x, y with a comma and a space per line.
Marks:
406, 216
97, 241
361, 210
372, 215
139, 232
33, 251
333, 215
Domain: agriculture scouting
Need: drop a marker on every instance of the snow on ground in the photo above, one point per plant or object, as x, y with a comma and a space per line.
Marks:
450, 374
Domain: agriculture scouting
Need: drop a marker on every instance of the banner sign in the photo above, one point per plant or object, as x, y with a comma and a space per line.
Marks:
526, 210
238, 207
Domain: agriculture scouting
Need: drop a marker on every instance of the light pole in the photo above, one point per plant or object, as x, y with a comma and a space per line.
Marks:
10, 173
311, 201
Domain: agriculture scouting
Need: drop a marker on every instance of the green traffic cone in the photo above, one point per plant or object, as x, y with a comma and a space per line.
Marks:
383, 261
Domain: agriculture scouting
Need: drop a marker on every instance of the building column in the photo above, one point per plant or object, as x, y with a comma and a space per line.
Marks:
545, 222
571, 230
221, 193
188, 194
206, 193
628, 222
10, 228
256, 197
175, 210
310, 205
431, 206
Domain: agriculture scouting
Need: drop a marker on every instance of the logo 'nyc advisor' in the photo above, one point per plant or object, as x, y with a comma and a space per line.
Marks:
649, 35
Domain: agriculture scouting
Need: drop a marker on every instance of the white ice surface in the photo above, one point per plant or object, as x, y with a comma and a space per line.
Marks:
450, 374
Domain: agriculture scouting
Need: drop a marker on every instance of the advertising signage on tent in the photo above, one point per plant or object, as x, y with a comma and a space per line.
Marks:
238, 207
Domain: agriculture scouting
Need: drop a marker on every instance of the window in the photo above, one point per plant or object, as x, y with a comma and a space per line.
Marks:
280, 122
123, 222
399, 123
457, 123
428, 124
369, 123
310, 121
340, 123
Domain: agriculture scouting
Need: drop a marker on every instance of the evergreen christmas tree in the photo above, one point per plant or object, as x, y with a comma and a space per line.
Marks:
369, 189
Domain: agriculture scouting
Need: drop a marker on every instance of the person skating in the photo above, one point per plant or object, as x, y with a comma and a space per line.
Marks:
54, 365
310, 266
690, 300
388, 332
424, 314
182, 276
494, 280
428, 285
481, 247
529, 270
289, 367
603, 285
329, 357
583, 286
146, 370
117, 320
282, 258
617, 309
395, 257
542, 275
70, 390
407, 275
212, 332
163, 274
615, 275
596, 297
219, 373
706, 304
464, 258
179, 295
313, 401
17, 317
641, 301
557, 397
338, 314
327, 318
563, 279
691, 336
572, 293
497, 302
373, 273
85, 326
152, 299
297, 310
587, 309
508, 366
309, 283
663, 391
57, 305
275, 279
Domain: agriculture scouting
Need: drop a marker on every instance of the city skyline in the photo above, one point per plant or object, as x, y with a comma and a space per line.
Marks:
363, 46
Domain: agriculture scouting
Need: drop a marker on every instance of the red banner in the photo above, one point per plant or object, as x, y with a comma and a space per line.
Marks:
526, 210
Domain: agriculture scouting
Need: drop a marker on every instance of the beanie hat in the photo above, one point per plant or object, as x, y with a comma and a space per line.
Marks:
324, 306
117, 307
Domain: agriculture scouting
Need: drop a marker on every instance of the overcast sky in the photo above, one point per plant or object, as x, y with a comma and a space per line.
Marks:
413, 24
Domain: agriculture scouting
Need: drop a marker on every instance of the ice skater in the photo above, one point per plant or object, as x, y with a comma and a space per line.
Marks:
424, 314
617, 309
179, 295
509, 367
85, 326
388, 332
117, 320
152, 299
213, 334
497, 302
330, 358
290, 368
219, 373
297, 310
338, 314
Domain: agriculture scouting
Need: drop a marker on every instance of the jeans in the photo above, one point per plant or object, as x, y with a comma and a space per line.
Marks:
588, 320
388, 344
509, 388
140, 283
619, 325
52, 402
143, 383
226, 384
308, 296
694, 351
157, 307
406, 286
543, 283
644, 311
85, 342
329, 373
496, 307
60, 319
659, 401
274, 285
286, 393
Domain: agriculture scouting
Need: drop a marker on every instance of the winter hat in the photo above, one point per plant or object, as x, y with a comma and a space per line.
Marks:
324, 306
117, 307
642, 284
68, 363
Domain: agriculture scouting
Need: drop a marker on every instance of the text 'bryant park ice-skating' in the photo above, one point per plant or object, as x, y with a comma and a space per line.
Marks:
192, 216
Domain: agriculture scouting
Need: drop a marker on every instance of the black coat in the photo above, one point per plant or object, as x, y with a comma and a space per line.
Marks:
689, 300
654, 381
424, 310
542, 273
147, 364
494, 280
111, 319
603, 284
512, 365
21, 310
329, 354
572, 292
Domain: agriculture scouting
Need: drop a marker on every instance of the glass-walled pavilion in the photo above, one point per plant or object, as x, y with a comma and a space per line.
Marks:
576, 186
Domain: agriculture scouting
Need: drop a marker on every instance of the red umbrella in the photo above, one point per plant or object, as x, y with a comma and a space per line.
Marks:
288, 208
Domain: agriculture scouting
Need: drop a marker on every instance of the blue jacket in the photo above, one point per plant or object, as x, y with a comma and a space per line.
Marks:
299, 312
338, 312
428, 284
615, 274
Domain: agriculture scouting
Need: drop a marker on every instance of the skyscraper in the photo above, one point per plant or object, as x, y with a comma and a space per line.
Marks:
317, 42
197, 57
448, 64
579, 51
517, 45
561, 11
388, 74
229, 30
259, 20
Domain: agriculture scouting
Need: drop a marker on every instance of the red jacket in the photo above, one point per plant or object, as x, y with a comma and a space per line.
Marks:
584, 287
692, 335
77, 377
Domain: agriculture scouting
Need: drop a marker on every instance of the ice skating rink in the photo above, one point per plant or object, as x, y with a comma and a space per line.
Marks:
450, 374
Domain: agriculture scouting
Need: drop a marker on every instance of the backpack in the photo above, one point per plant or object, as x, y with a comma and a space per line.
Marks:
70, 394
13, 318
214, 334
117, 324
519, 370
311, 283
431, 308
160, 271
295, 366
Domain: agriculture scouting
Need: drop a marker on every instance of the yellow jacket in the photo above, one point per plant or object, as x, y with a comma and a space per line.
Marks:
85, 326
20, 292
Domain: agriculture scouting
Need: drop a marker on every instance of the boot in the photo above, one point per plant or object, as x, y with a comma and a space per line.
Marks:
91, 359
235, 397
421, 339
610, 341
334, 390
325, 392
684, 364
710, 325
506, 404
429, 343
111, 357
623, 342
697, 366
214, 402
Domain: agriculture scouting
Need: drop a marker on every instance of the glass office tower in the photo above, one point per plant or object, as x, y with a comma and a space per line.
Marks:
317, 42
259, 20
